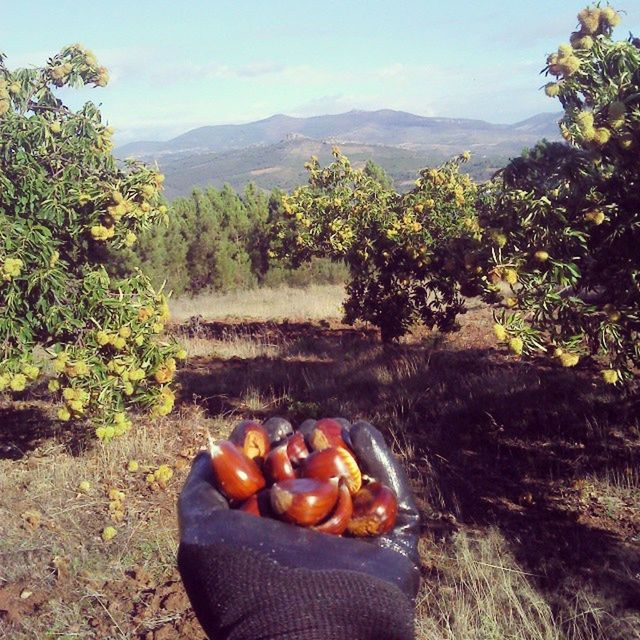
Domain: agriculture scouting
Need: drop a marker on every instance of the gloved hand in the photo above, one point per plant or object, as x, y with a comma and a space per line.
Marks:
252, 578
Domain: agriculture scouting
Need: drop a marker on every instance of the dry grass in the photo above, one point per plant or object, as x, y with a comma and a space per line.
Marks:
623, 481
483, 594
314, 303
477, 433
232, 345
51, 543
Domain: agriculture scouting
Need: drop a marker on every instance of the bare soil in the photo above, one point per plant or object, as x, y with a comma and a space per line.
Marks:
546, 456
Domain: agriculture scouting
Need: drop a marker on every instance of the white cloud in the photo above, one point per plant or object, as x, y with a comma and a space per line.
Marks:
151, 66
153, 99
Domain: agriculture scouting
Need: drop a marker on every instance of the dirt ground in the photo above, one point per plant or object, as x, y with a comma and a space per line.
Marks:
545, 457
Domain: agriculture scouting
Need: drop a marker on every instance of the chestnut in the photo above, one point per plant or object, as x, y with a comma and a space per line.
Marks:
375, 509
354, 479
296, 448
277, 465
258, 504
304, 501
334, 462
327, 433
252, 438
338, 520
237, 476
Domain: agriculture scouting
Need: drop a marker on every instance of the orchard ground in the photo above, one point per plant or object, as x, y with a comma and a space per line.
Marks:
526, 474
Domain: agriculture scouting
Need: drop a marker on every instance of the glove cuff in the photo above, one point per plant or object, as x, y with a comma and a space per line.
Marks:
241, 594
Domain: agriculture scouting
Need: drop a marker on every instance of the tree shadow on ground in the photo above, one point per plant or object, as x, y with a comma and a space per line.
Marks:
493, 441
283, 330
520, 446
26, 424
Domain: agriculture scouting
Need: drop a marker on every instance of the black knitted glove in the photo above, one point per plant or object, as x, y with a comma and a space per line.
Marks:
252, 578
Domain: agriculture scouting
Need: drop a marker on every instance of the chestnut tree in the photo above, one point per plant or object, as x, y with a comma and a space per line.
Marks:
568, 216
405, 251
63, 197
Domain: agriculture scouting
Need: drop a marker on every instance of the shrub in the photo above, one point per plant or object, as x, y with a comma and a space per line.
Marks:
403, 251
570, 215
62, 198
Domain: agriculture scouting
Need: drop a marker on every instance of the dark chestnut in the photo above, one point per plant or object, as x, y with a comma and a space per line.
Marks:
375, 509
252, 438
296, 448
334, 462
277, 465
338, 520
237, 476
259, 504
327, 433
354, 479
304, 501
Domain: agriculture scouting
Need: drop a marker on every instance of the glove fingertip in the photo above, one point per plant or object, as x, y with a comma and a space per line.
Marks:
364, 436
307, 427
278, 428
201, 467
344, 423
379, 461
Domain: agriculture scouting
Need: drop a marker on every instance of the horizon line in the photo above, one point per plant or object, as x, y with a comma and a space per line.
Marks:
341, 113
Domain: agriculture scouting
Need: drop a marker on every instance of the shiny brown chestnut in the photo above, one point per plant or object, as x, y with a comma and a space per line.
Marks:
297, 448
326, 433
338, 520
237, 476
304, 501
334, 462
259, 504
354, 479
375, 509
253, 439
277, 465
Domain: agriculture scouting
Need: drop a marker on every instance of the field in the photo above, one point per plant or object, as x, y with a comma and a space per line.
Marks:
527, 476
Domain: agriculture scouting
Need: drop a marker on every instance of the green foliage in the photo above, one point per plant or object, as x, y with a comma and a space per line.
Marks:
62, 198
377, 173
316, 270
398, 247
219, 240
570, 216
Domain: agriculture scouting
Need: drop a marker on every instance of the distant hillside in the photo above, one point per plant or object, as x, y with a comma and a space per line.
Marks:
282, 165
395, 128
272, 152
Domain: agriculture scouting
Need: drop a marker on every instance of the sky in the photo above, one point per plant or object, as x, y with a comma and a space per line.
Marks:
188, 63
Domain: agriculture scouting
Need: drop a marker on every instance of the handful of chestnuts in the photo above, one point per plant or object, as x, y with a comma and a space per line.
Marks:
311, 481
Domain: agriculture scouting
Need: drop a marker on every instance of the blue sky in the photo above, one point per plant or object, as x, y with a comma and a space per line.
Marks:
181, 64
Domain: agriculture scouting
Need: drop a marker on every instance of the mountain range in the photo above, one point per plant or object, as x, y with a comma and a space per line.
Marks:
272, 152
